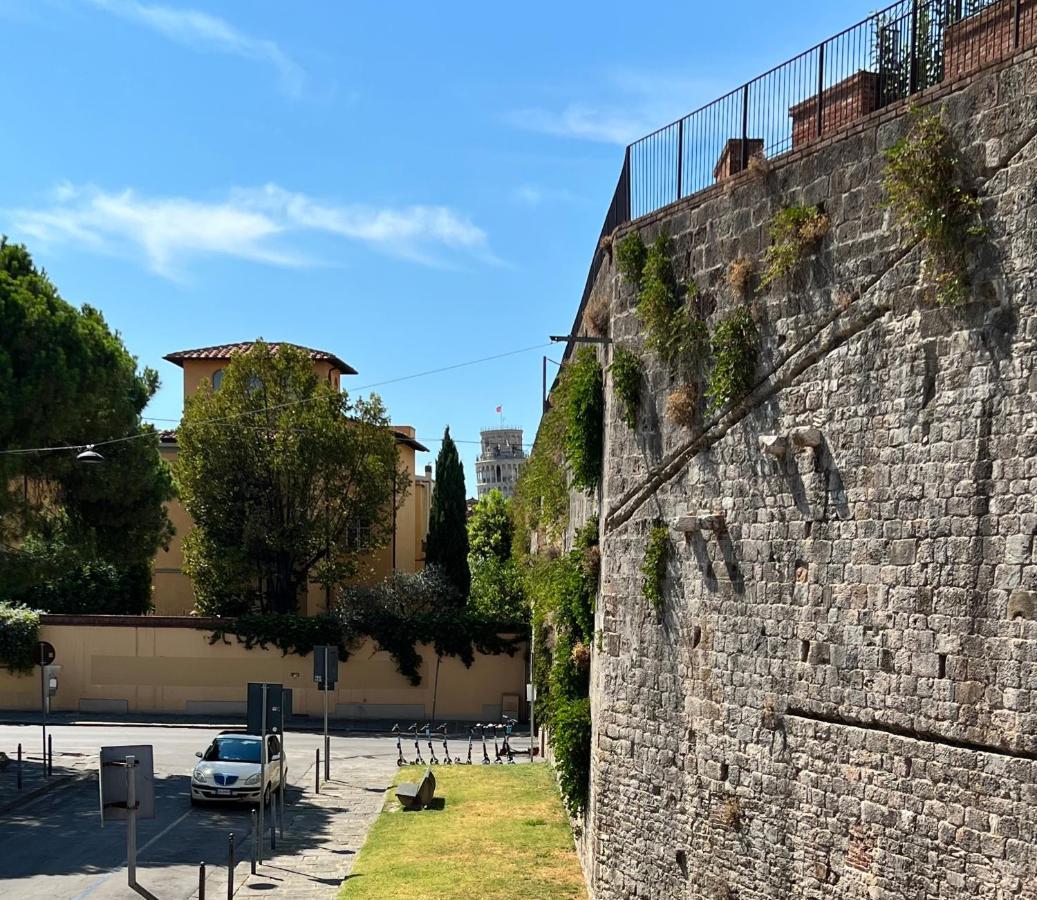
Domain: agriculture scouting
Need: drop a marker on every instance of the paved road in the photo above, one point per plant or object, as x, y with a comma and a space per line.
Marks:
53, 847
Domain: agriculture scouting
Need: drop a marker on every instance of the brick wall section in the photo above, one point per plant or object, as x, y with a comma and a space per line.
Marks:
730, 162
988, 36
849, 100
838, 699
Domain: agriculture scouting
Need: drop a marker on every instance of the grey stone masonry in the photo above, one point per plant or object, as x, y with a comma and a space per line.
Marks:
838, 698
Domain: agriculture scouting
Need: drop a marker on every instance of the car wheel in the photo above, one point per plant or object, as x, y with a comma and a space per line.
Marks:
195, 801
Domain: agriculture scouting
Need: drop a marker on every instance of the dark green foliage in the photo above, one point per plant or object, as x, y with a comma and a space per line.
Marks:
398, 614
735, 349
66, 380
490, 529
924, 188
795, 233
675, 330
657, 557
97, 588
571, 742
19, 634
627, 374
631, 254
283, 493
447, 543
497, 590
585, 421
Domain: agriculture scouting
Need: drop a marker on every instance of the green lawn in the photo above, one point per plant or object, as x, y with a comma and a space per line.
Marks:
501, 832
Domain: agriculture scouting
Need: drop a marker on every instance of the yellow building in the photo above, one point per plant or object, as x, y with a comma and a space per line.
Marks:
173, 593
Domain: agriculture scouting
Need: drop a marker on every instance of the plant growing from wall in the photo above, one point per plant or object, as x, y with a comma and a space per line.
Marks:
739, 276
924, 189
19, 634
627, 374
585, 420
674, 330
631, 254
795, 233
657, 557
735, 350
571, 742
682, 404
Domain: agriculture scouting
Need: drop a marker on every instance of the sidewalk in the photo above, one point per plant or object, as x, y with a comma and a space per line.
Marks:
336, 822
34, 781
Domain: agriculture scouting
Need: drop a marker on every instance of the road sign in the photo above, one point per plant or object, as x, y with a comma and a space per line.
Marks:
286, 707
325, 667
254, 708
114, 782
44, 654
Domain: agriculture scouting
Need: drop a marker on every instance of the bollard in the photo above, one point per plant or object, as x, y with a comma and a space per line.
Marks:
50, 754
273, 822
316, 771
253, 868
201, 881
19, 767
230, 866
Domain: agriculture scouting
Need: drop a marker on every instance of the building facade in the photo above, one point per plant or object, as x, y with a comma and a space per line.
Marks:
172, 590
500, 460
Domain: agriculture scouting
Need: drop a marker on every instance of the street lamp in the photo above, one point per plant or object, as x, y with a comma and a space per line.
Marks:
89, 456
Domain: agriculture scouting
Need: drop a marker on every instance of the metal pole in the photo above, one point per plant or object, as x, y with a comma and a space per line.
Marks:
745, 128
316, 773
253, 867
532, 695
201, 881
820, 89
230, 866
131, 822
262, 772
273, 824
327, 743
435, 690
280, 814
50, 754
1017, 13
43, 707
543, 386
680, 158
19, 767
912, 78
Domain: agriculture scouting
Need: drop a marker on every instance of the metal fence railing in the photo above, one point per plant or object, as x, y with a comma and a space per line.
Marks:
905, 48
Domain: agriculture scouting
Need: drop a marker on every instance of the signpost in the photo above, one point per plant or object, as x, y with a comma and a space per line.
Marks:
44, 657
325, 673
286, 713
126, 791
263, 713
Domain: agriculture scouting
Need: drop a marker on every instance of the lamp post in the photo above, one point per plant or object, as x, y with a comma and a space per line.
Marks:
89, 456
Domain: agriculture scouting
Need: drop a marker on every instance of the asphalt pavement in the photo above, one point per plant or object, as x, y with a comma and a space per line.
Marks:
53, 846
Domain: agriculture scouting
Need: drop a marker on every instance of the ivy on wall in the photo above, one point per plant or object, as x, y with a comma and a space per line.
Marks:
631, 254
675, 331
735, 345
585, 419
657, 557
924, 185
627, 374
19, 635
795, 233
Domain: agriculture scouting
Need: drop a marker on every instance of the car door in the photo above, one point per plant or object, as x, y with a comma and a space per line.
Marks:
273, 755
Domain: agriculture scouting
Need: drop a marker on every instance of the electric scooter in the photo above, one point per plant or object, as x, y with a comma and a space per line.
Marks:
482, 734
446, 750
509, 723
418, 761
431, 750
496, 750
400, 761
471, 734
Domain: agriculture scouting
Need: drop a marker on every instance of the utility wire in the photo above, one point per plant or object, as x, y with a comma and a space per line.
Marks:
265, 409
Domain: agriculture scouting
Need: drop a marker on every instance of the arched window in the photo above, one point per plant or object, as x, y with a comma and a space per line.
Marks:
217, 379
498, 473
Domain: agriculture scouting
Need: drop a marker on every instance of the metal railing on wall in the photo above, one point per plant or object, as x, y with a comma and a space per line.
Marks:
905, 48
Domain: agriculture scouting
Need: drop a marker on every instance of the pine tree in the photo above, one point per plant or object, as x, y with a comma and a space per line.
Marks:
447, 543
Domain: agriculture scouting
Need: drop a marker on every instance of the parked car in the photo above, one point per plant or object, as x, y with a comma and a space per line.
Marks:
229, 769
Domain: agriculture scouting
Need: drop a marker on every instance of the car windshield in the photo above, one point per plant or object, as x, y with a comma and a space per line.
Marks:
233, 749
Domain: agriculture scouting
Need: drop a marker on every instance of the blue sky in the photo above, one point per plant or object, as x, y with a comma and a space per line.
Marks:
409, 186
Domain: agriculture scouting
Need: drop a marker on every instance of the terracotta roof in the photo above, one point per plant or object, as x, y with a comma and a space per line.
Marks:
226, 351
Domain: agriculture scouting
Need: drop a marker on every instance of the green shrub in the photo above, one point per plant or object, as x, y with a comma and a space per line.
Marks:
795, 233
735, 350
923, 185
571, 743
630, 257
19, 635
585, 422
675, 331
627, 374
657, 556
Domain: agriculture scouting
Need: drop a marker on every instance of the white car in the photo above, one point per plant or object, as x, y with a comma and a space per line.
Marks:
229, 770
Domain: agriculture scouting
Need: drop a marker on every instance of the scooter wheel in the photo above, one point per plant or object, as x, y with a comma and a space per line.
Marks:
399, 762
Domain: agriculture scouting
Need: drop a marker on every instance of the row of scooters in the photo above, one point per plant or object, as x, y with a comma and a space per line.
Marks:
502, 751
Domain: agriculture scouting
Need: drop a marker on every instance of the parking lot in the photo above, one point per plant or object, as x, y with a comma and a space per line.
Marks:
53, 846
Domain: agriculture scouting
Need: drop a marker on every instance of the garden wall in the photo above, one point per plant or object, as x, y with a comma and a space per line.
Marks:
838, 698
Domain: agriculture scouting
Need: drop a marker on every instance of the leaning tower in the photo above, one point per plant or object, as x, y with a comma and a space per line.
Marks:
500, 461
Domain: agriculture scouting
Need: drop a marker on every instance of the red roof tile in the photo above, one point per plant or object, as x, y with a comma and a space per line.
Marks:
226, 351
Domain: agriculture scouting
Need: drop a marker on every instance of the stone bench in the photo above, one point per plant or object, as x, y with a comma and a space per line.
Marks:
417, 796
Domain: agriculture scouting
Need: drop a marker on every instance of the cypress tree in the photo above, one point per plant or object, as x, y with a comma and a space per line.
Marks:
447, 543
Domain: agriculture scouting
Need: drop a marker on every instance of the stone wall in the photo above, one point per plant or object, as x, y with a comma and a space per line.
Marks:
839, 697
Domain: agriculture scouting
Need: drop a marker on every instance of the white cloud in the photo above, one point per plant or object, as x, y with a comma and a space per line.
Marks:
636, 104
203, 31
255, 224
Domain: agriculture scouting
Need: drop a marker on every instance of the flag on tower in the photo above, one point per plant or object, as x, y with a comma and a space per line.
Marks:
500, 409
